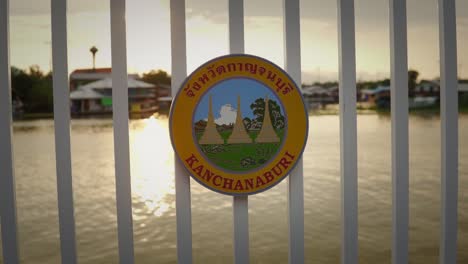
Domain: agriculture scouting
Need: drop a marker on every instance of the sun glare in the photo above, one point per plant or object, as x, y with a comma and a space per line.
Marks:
152, 165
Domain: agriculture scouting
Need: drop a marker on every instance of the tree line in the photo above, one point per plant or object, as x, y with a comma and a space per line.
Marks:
413, 76
33, 87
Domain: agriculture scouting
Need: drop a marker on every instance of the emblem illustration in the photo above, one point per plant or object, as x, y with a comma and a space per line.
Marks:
238, 124
243, 128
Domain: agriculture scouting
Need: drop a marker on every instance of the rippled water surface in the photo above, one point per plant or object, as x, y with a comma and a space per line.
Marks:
154, 201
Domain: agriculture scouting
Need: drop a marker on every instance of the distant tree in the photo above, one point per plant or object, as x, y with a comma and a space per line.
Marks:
157, 77
384, 82
21, 82
463, 100
412, 81
41, 95
33, 88
326, 84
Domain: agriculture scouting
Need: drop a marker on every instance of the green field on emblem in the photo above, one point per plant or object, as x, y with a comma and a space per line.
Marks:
240, 157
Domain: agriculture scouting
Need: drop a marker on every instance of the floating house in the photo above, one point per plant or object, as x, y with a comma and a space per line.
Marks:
80, 77
378, 97
96, 97
427, 88
316, 96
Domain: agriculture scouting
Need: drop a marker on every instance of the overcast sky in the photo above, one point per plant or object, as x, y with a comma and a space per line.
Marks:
148, 33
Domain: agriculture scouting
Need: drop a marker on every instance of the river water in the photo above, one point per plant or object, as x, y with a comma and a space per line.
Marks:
154, 201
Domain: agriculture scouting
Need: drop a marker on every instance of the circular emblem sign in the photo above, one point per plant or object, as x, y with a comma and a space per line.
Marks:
238, 124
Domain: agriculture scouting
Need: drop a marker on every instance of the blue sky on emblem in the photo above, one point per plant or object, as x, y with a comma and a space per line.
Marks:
225, 95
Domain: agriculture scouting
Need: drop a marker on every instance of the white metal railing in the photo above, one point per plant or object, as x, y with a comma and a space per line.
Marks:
62, 131
240, 204
182, 179
121, 138
348, 133
292, 64
449, 130
399, 108
7, 179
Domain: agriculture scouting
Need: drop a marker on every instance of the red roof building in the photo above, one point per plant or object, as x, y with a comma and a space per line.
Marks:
84, 76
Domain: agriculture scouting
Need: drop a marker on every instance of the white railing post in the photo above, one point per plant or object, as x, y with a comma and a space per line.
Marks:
182, 179
348, 133
121, 138
7, 172
240, 203
449, 130
292, 54
399, 109
62, 131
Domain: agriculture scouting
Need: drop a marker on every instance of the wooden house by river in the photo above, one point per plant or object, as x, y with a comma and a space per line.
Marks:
96, 97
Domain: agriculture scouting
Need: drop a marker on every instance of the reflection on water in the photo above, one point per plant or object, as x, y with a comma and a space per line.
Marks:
152, 166
154, 202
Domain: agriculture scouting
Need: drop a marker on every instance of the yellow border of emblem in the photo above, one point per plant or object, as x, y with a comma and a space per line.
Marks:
191, 92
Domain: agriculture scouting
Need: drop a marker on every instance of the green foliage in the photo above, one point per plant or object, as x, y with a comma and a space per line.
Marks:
412, 81
276, 117
240, 157
326, 84
247, 122
34, 88
463, 100
157, 77
258, 108
372, 84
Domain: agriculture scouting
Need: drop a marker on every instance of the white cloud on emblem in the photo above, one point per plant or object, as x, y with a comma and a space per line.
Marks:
227, 115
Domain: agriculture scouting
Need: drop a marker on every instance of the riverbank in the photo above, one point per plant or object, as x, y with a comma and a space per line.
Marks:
333, 109
329, 110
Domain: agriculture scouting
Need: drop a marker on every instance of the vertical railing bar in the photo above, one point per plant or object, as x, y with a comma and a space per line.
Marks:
240, 203
399, 113
182, 179
449, 130
121, 136
399, 110
348, 133
236, 26
7, 171
292, 59
62, 131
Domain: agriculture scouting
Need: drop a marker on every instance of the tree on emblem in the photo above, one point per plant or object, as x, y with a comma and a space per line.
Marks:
258, 107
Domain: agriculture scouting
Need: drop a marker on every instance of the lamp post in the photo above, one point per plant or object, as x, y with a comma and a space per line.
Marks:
93, 50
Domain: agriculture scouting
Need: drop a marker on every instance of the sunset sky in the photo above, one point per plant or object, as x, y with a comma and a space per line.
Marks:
148, 34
